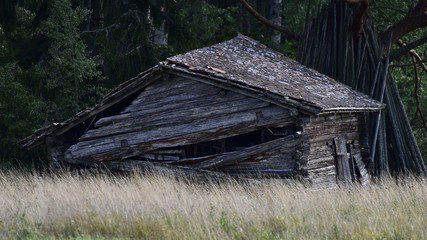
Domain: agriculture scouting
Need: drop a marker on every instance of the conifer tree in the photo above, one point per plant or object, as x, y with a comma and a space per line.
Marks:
70, 73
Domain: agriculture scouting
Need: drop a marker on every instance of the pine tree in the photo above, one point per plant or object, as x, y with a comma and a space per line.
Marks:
69, 70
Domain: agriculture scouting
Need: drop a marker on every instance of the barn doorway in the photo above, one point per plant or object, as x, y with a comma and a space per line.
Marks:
349, 165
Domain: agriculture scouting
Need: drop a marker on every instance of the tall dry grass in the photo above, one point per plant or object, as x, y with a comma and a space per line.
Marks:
161, 207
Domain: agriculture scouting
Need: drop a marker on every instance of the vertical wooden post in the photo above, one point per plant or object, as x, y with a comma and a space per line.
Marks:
342, 163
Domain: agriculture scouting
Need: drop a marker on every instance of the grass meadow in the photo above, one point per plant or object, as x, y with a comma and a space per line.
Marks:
158, 206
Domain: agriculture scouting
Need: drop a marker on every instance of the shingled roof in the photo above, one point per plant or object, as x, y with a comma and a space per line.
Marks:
244, 63
248, 62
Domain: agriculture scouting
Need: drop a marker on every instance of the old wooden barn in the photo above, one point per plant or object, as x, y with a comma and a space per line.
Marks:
236, 107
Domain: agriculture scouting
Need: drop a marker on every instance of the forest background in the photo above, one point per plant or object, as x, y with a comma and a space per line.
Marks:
58, 57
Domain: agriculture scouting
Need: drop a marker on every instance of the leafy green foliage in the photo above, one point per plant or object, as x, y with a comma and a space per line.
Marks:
68, 71
19, 115
63, 80
19, 112
3, 43
201, 24
124, 39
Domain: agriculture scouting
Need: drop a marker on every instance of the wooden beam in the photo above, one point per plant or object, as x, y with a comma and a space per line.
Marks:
230, 158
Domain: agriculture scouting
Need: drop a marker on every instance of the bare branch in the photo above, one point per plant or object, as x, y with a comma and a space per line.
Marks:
100, 29
417, 97
406, 64
407, 47
414, 54
391, 8
268, 22
417, 18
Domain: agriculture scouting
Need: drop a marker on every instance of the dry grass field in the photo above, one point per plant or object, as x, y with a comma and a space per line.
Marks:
157, 206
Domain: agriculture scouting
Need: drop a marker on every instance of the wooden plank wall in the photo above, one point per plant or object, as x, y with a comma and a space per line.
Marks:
175, 112
286, 160
322, 130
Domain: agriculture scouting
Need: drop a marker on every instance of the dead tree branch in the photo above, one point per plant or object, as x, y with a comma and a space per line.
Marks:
416, 18
406, 64
387, 7
407, 47
267, 22
414, 54
417, 97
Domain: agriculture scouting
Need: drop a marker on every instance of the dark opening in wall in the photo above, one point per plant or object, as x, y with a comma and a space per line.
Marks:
230, 144
72, 135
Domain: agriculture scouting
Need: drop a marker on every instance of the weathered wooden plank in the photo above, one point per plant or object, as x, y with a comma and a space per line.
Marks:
131, 165
324, 158
174, 96
326, 133
323, 181
325, 138
287, 103
161, 107
350, 161
275, 162
189, 161
325, 171
175, 128
166, 85
192, 115
159, 157
320, 164
170, 136
336, 126
167, 151
172, 100
169, 87
364, 176
343, 167
334, 118
314, 124
235, 157
322, 130
268, 173
320, 147
319, 144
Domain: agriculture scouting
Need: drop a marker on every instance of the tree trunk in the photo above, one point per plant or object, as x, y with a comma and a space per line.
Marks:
275, 15
246, 23
160, 35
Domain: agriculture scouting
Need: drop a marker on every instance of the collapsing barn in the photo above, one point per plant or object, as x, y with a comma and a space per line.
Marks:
236, 107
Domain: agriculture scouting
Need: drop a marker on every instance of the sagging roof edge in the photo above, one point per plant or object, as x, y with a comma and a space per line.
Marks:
114, 96
137, 83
